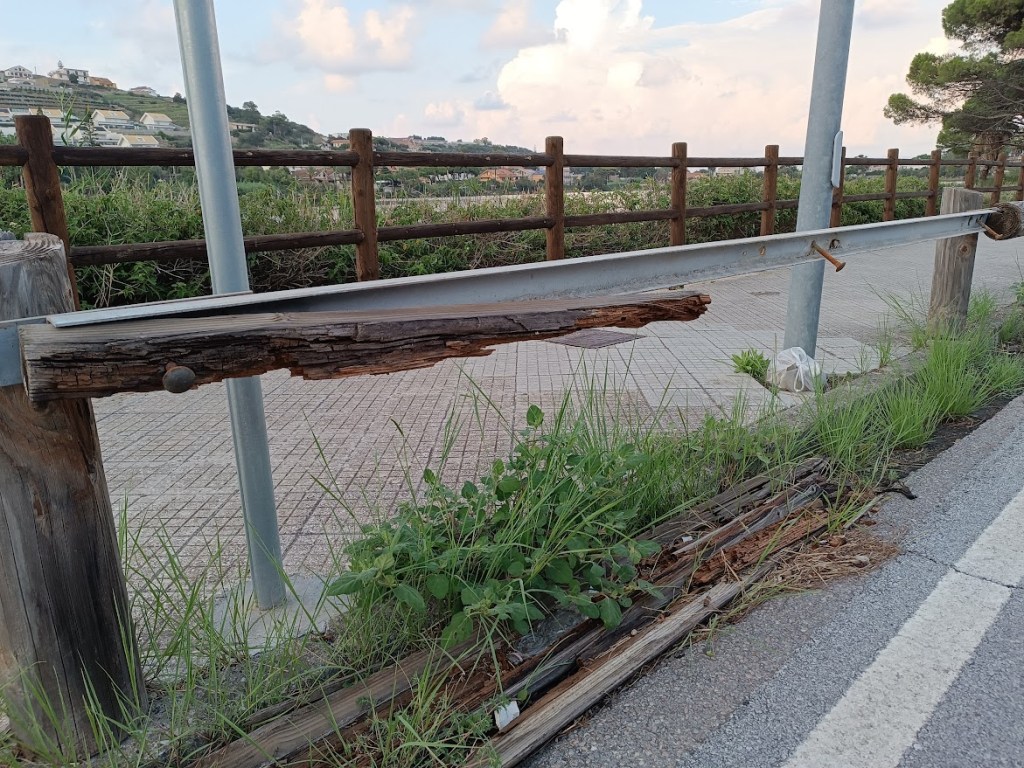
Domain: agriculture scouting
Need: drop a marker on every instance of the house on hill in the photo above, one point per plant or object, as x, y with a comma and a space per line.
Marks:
69, 74
137, 141
143, 90
157, 121
112, 120
234, 125
103, 82
504, 174
18, 71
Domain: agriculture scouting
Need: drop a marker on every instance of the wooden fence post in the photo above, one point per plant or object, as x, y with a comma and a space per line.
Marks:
770, 188
954, 265
971, 174
891, 169
836, 217
934, 171
364, 204
65, 624
42, 185
997, 195
1020, 181
554, 197
677, 224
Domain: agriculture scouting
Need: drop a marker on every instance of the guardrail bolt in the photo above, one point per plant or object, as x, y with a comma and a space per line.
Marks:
178, 378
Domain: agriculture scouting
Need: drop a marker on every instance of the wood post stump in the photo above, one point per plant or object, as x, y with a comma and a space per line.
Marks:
954, 265
65, 625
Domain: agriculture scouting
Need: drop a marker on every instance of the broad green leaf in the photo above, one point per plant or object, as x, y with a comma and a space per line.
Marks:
509, 485
516, 569
534, 416
559, 571
471, 596
647, 548
610, 613
458, 630
469, 490
429, 477
438, 585
589, 609
346, 584
411, 597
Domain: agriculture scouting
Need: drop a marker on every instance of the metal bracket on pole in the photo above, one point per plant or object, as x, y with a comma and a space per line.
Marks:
837, 160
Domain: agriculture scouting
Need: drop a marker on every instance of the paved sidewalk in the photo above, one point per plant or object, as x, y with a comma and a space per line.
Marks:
169, 457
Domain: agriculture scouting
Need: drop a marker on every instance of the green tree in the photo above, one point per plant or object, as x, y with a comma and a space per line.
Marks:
976, 95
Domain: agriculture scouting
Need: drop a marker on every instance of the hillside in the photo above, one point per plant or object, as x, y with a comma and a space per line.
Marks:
255, 128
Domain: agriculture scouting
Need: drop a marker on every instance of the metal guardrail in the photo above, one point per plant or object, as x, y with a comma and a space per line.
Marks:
615, 273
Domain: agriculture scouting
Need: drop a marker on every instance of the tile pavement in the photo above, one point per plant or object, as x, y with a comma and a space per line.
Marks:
368, 438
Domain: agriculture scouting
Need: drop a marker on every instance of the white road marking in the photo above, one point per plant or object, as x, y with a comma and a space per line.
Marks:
879, 716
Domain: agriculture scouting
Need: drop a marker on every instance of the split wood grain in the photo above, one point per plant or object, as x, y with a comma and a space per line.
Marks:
105, 359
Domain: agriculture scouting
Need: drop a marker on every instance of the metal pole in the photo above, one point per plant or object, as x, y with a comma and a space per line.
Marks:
207, 113
835, 25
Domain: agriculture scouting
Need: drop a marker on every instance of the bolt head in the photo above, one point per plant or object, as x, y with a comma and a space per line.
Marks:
179, 379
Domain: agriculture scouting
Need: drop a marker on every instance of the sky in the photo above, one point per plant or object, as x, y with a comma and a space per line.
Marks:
610, 76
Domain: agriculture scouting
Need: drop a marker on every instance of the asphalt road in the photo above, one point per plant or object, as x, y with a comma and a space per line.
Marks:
919, 664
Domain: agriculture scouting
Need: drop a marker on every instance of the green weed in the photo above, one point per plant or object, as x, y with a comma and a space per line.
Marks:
753, 363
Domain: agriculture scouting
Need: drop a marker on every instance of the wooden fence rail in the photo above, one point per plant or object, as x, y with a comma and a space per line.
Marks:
40, 161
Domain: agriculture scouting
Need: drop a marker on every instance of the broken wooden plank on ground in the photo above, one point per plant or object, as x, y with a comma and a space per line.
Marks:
587, 646
575, 695
109, 358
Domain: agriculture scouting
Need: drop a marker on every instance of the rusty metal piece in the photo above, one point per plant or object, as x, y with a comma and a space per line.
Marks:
178, 378
828, 257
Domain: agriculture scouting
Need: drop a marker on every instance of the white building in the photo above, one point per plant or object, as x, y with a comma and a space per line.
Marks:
156, 121
137, 141
69, 74
18, 71
143, 90
113, 120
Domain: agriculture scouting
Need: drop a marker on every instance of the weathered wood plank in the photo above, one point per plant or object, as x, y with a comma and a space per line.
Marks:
364, 205
64, 613
42, 185
291, 734
575, 695
554, 198
954, 265
101, 360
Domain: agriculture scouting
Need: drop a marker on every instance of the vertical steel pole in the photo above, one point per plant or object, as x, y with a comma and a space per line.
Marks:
207, 113
835, 26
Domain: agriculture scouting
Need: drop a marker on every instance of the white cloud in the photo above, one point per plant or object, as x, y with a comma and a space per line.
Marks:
613, 81
325, 35
513, 27
444, 114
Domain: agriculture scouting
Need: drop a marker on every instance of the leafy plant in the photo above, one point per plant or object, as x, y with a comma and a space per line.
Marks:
751, 362
549, 526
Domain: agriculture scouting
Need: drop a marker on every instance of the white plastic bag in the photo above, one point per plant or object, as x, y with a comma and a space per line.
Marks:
793, 370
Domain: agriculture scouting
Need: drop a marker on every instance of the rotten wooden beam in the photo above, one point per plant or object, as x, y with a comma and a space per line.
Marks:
105, 359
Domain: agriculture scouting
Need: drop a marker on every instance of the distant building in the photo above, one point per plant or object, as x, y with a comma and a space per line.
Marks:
143, 90
112, 120
18, 71
504, 174
103, 82
137, 141
69, 74
236, 126
156, 121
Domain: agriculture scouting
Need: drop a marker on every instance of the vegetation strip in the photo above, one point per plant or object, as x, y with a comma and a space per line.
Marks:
776, 523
